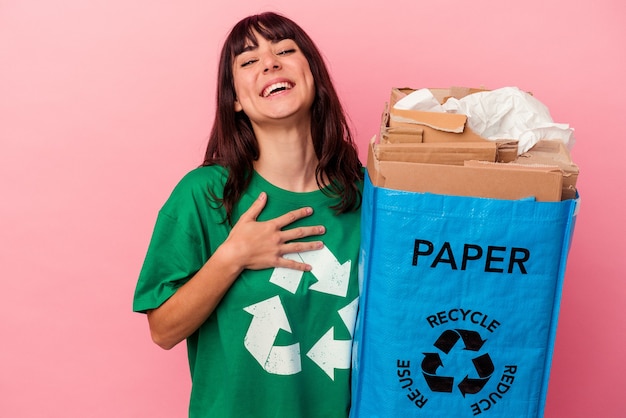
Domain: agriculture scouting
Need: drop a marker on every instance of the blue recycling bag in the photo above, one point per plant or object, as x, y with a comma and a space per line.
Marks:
459, 304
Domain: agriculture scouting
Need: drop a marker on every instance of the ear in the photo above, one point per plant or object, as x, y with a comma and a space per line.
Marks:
238, 107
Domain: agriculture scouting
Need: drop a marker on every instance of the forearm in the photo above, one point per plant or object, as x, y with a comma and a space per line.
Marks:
184, 312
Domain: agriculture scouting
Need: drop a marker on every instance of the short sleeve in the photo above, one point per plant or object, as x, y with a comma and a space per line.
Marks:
173, 257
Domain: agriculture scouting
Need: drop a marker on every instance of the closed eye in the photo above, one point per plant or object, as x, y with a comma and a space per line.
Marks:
248, 62
287, 51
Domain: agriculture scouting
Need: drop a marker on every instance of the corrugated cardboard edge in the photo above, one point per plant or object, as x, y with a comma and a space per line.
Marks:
446, 122
437, 152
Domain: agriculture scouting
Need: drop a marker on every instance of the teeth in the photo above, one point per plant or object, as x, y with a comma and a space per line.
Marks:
274, 87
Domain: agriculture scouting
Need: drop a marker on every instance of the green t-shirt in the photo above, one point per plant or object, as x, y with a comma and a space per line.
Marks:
279, 343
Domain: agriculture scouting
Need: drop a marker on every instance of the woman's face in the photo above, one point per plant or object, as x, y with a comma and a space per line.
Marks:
273, 82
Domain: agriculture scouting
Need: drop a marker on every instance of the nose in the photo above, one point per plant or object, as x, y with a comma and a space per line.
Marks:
270, 62
273, 67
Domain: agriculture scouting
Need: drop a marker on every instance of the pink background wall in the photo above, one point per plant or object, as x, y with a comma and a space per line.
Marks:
104, 105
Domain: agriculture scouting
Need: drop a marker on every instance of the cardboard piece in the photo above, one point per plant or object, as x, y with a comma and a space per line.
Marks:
553, 153
439, 153
401, 126
479, 179
444, 122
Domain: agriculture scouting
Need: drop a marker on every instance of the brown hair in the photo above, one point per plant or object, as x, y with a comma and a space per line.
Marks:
232, 143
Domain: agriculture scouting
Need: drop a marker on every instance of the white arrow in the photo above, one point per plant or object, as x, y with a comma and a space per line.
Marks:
330, 354
333, 277
288, 279
269, 317
348, 315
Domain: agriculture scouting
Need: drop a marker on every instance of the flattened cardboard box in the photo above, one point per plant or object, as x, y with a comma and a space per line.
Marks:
553, 153
496, 180
455, 153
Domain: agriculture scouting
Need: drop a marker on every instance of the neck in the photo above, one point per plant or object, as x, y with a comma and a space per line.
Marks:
287, 158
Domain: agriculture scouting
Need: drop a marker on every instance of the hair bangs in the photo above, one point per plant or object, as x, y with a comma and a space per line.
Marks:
269, 26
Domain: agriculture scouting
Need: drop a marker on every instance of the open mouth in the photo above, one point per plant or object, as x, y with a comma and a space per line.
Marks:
276, 88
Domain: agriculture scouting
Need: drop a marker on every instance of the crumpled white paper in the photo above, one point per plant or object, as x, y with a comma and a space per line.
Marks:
505, 113
421, 99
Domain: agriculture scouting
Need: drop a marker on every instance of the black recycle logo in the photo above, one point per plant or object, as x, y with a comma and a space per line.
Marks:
483, 366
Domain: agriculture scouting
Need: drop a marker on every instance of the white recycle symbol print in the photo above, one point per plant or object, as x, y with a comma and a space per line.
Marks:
269, 318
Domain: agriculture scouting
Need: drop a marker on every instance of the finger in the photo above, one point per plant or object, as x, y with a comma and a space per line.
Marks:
294, 262
292, 216
256, 207
300, 247
296, 266
301, 232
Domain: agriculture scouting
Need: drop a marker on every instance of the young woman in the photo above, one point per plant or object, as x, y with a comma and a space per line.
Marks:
253, 258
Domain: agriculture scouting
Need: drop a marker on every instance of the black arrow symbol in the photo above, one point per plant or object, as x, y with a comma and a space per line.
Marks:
471, 386
483, 365
446, 340
431, 363
439, 383
471, 339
